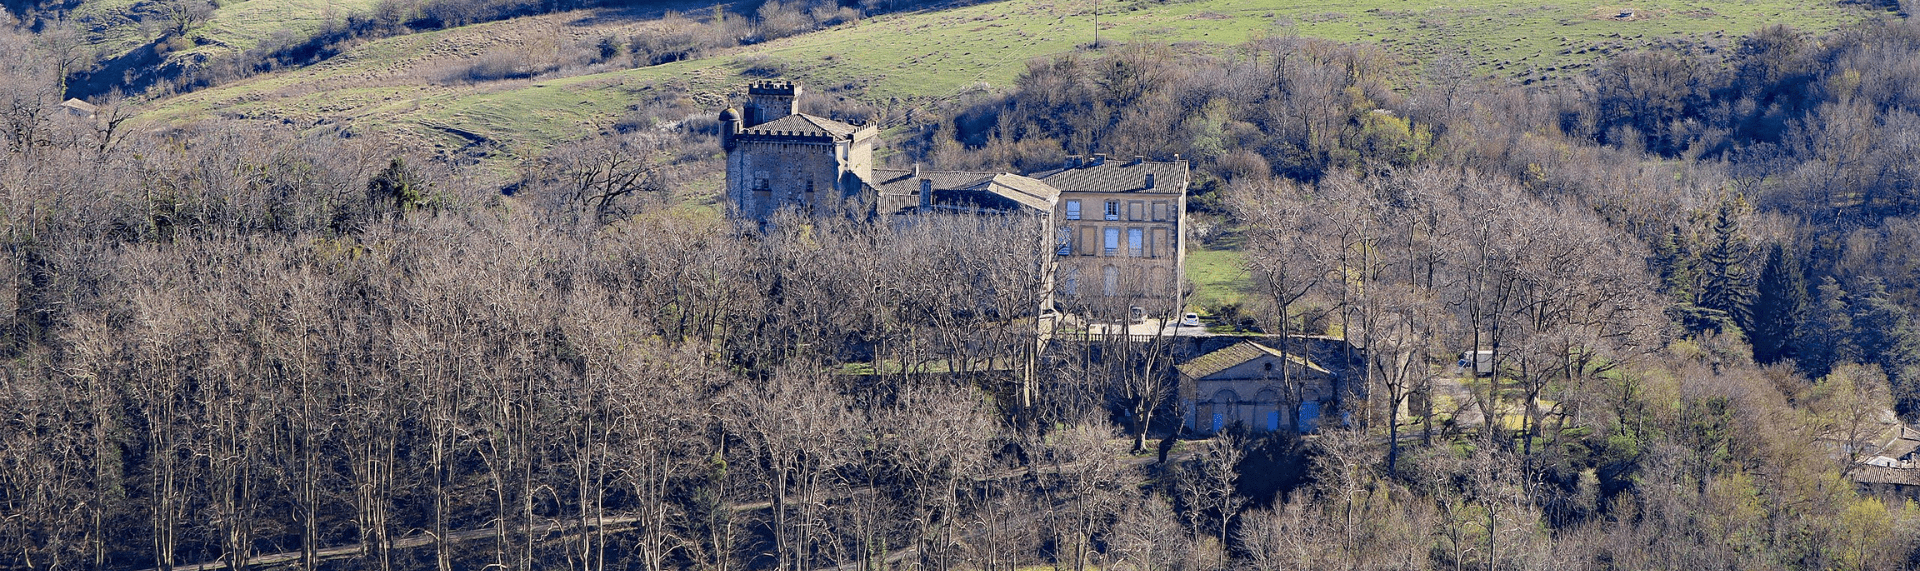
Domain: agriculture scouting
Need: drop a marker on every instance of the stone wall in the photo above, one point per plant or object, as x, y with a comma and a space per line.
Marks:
765, 175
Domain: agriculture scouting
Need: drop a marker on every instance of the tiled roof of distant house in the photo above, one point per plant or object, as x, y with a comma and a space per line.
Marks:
1112, 175
1886, 475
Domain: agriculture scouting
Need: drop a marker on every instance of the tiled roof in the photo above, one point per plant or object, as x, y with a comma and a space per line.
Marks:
1904, 442
1233, 355
802, 124
1119, 176
899, 189
1886, 475
1026, 191
903, 181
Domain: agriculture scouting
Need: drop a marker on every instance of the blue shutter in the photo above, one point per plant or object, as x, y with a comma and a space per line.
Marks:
1273, 421
1309, 412
1218, 421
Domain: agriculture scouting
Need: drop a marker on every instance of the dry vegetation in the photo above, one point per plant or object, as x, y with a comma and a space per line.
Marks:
225, 341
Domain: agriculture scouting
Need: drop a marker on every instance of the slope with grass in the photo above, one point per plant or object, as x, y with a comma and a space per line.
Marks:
115, 27
904, 59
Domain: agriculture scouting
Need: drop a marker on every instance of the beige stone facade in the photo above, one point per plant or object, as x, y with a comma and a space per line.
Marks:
1122, 239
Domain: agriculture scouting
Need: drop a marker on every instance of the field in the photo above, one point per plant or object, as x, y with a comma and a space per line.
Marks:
236, 26
911, 58
239, 26
1218, 275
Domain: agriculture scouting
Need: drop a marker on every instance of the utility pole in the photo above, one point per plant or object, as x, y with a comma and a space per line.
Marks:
1096, 24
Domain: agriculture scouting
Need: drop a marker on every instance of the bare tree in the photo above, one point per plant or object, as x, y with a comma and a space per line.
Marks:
1209, 486
1081, 475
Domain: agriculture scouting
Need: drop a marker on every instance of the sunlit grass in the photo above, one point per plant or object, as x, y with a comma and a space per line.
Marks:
908, 59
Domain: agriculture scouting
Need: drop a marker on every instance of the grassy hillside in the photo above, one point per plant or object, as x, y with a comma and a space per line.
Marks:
114, 27
389, 85
239, 26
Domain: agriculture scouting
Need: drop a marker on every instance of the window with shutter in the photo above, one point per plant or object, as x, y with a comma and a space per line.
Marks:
1073, 210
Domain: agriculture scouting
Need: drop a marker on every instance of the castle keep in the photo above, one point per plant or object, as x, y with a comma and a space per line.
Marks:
779, 157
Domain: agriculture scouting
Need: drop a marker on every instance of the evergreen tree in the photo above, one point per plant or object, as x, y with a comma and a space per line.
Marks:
1884, 332
1726, 287
1828, 338
1674, 264
398, 186
1779, 307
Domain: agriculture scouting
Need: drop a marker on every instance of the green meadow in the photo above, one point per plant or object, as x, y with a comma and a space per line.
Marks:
912, 58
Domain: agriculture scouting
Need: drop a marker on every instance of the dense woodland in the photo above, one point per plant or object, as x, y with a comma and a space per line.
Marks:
1697, 272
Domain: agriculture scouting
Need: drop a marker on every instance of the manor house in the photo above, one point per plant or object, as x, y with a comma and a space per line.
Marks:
1119, 224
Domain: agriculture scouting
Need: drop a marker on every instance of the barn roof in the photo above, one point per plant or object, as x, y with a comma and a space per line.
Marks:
78, 105
1236, 354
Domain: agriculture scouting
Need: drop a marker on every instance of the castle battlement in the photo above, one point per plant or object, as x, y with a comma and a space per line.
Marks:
786, 88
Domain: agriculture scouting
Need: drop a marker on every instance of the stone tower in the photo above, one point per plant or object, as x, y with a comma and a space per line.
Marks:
778, 157
770, 101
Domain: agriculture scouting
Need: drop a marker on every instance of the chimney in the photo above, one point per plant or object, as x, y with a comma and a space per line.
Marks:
926, 194
916, 170
1149, 180
1098, 159
1137, 159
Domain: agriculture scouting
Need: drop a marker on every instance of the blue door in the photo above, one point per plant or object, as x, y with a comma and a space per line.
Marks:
1273, 421
1218, 422
1309, 412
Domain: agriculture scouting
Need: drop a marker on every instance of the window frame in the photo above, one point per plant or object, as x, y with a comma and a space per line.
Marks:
1110, 241
1073, 210
1136, 242
1113, 210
